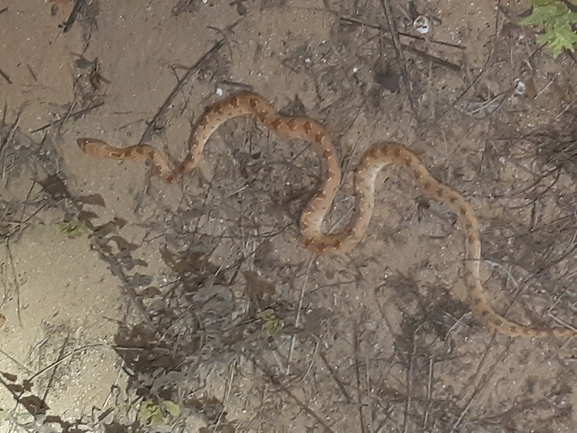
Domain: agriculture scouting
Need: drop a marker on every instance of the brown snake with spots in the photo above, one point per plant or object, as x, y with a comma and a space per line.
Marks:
374, 159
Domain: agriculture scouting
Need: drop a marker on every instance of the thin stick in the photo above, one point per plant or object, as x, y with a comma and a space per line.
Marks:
24, 204
63, 358
225, 396
432, 41
356, 343
429, 393
73, 15
313, 358
4, 144
6, 77
16, 283
400, 55
74, 115
335, 378
299, 308
369, 399
483, 382
53, 375
15, 361
284, 389
477, 78
156, 120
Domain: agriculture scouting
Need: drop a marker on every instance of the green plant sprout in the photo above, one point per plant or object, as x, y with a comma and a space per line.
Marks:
557, 17
73, 229
153, 413
272, 324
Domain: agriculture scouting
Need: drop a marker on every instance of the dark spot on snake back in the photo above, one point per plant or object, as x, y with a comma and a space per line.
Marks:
275, 124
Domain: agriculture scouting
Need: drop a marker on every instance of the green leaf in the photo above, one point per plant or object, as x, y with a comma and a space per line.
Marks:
546, 14
150, 412
562, 38
272, 324
73, 229
171, 407
557, 19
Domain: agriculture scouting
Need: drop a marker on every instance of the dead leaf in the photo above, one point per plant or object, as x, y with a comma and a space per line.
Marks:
34, 405
55, 187
258, 289
94, 199
9, 376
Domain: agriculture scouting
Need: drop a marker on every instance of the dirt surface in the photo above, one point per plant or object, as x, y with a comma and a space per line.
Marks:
135, 305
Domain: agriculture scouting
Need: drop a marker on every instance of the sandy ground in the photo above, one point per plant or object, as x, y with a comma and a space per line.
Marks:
122, 292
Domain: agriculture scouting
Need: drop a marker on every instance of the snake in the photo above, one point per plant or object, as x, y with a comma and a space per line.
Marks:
313, 237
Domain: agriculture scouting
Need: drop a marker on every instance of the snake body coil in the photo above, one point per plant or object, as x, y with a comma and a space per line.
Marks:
373, 160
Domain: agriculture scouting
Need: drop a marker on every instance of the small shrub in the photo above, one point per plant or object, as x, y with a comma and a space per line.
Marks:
557, 18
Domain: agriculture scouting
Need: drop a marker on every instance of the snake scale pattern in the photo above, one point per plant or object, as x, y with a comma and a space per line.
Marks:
312, 217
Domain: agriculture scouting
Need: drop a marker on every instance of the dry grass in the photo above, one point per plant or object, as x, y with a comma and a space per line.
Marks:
245, 331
